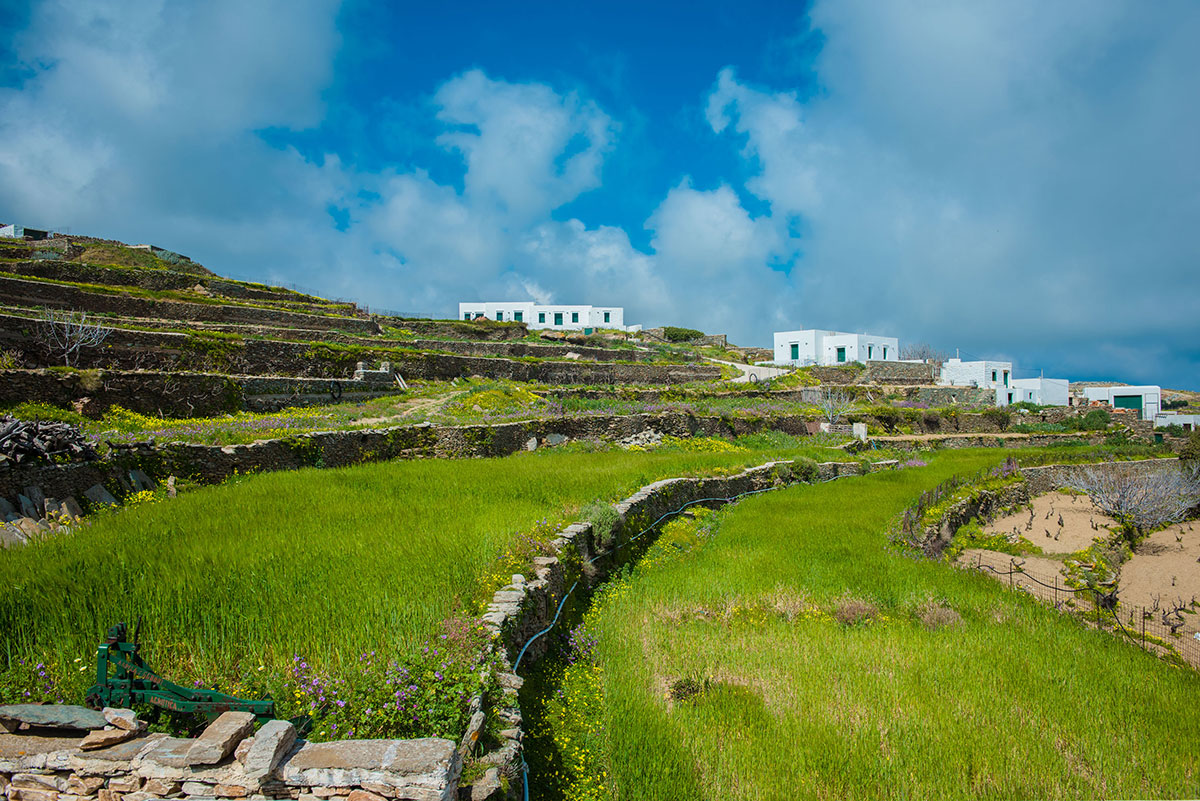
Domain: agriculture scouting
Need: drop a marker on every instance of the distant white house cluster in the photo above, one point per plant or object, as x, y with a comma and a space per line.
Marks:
552, 316
812, 346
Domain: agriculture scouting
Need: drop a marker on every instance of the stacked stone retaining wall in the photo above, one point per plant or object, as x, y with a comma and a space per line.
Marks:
21, 292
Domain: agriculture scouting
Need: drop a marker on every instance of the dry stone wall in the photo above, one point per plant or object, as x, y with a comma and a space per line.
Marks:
38, 293
907, 373
226, 761
527, 606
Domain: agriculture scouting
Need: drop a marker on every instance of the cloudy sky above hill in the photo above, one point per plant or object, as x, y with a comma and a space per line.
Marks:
1015, 179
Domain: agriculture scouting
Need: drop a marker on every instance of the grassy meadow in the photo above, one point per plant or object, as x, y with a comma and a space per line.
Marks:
317, 586
782, 649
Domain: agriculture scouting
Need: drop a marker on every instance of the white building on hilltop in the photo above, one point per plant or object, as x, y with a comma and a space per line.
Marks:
984, 374
1147, 400
829, 348
552, 315
1042, 391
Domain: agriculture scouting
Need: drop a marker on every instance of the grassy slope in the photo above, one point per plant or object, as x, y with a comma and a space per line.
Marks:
1015, 702
323, 563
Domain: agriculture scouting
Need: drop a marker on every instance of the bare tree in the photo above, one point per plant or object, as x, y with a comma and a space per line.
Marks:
834, 403
65, 332
1142, 500
923, 351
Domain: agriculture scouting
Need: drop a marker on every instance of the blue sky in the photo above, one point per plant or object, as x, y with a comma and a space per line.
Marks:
1014, 179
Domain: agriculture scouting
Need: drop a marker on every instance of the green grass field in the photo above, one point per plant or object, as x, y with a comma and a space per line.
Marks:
789, 652
237, 581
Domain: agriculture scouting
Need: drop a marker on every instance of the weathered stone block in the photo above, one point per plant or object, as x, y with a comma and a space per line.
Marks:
105, 738
220, 738
161, 787
20, 794
84, 785
125, 784
54, 716
39, 781
121, 718
99, 495
272, 742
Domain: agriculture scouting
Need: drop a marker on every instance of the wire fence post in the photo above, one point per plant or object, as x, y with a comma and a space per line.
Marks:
1056, 590
1143, 629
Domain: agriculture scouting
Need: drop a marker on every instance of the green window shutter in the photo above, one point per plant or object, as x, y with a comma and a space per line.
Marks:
795, 352
574, 317
841, 354
519, 316
499, 316
541, 317
558, 318
606, 317
467, 316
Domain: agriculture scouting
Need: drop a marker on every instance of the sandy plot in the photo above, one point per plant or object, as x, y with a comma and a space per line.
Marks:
1166, 556
1060, 523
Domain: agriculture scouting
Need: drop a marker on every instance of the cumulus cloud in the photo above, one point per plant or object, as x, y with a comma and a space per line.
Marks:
1012, 178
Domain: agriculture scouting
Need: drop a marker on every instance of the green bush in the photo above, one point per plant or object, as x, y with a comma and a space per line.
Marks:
1191, 451
1095, 420
805, 469
674, 334
888, 417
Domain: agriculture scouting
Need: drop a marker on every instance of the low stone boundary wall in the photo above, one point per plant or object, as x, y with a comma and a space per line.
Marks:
227, 760
179, 394
64, 296
884, 372
581, 552
1041, 480
983, 441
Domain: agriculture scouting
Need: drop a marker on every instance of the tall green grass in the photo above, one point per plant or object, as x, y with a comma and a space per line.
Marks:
236, 580
1012, 701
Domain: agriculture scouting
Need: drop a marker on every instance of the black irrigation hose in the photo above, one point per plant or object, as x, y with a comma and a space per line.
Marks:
562, 603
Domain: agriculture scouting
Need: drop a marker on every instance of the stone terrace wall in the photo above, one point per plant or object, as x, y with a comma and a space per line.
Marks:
1041, 480
226, 763
908, 373
519, 349
110, 275
179, 394
36, 293
483, 330
527, 606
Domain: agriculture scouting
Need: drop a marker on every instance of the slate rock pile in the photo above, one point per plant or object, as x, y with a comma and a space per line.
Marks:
23, 441
70, 753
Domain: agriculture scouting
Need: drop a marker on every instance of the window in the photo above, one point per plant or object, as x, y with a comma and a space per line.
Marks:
541, 317
870, 349
499, 316
885, 352
574, 317
841, 354
519, 316
558, 318
466, 315
606, 317
993, 376
1006, 378
795, 351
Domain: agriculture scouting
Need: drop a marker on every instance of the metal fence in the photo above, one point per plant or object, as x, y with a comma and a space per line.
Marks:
1159, 631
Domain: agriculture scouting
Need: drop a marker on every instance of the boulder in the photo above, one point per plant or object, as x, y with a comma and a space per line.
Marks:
27, 507
38, 498
220, 738
98, 495
6, 509
70, 508
54, 716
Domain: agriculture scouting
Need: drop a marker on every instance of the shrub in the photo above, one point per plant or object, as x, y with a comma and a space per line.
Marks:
854, 611
674, 334
1095, 420
805, 469
1191, 450
935, 616
888, 417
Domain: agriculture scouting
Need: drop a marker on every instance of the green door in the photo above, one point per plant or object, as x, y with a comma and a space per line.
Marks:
558, 318
795, 352
841, 354
1128, 402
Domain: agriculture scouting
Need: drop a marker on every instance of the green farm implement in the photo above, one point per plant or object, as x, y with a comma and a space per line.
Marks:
124, 679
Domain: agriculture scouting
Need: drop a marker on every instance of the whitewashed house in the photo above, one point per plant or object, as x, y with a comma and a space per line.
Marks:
1146, 399
1189, 422
1042, 391
985, 374
14, 231
554, 316
827, 348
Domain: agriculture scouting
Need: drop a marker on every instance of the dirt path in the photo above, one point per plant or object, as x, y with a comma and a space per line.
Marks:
412, 407
1165, 569
756, 372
